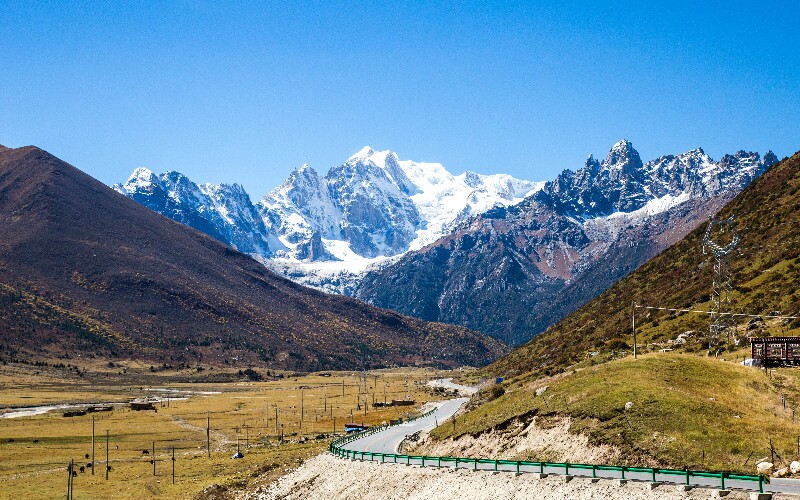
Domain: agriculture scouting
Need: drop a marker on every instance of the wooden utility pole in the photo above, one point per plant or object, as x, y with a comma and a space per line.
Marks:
93, 445
70, 468
343, 386
276, 420
106, 454
154, 458
208, 435
173, 465
633, 326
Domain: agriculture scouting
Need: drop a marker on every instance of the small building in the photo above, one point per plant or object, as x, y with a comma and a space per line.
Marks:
142, 406
776, 351
352, 427
403, 402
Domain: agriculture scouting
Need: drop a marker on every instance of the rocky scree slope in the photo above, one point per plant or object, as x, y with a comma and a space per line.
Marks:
513, 271
85, 269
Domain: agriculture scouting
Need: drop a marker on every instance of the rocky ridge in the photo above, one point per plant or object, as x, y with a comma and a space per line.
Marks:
511, 272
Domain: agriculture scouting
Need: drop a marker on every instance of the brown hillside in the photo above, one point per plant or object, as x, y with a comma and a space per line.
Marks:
84, 268
765, 273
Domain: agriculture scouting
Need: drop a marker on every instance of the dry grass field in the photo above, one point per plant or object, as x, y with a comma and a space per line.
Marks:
35, 450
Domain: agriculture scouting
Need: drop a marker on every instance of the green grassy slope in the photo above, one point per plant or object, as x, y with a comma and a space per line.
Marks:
688, 410
765, 272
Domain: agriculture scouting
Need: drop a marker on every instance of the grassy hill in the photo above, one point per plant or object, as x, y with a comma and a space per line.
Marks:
688, 410
765, 273
86, 271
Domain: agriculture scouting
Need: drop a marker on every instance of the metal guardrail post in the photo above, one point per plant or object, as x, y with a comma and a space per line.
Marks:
336, 448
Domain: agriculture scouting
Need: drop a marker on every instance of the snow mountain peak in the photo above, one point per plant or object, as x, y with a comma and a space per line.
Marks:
324, 230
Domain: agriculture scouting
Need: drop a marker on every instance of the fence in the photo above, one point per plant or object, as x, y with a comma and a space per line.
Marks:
590, 470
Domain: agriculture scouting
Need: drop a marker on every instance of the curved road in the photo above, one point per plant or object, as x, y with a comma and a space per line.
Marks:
389, 440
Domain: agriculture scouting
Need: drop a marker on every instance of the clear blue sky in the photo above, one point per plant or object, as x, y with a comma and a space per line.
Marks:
244, 92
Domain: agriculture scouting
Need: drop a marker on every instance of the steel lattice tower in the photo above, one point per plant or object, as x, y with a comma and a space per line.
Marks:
721, 283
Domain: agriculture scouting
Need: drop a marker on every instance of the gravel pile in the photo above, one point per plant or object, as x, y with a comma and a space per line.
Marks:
329, 478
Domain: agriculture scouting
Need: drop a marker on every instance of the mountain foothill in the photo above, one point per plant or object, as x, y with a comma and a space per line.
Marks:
87, 271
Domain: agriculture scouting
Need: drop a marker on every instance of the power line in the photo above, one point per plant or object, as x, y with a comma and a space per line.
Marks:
714, 312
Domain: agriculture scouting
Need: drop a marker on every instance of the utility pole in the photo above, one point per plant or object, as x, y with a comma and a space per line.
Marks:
106, 454
276, 420
69, 480
633, 326
154, 458
208, 434
302, 408
173, 465
246, 436
342, 386
93, 445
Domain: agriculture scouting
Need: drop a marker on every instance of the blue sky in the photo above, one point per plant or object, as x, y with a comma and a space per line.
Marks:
244, 92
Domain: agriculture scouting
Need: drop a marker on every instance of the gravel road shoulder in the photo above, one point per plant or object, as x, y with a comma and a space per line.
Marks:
326, 477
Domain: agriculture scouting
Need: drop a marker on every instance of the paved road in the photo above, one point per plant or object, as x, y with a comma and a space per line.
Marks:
447, 383
389, 440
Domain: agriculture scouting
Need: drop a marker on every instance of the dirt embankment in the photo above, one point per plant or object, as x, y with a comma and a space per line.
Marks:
326, 477
540, 439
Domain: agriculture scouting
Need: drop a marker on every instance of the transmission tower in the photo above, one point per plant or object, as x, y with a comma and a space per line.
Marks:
721, 283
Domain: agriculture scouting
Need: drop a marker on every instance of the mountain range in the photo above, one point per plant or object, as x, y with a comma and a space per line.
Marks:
512, 272
764, 279
412, 237
86, 271
324, 231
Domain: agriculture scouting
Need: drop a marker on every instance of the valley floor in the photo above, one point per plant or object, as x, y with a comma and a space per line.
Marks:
327, 477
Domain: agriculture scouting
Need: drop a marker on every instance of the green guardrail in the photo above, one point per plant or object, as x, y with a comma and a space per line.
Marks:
336, 448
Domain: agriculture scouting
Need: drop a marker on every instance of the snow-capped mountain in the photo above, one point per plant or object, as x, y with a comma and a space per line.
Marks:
373, 225
222, 211
622, 183
376, 205
511, 272
325, 231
